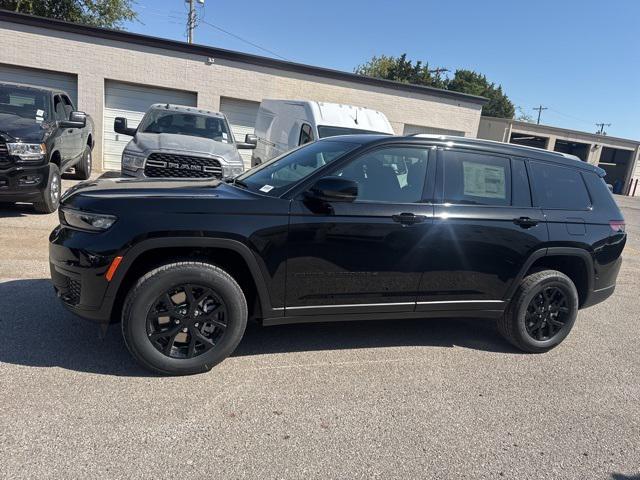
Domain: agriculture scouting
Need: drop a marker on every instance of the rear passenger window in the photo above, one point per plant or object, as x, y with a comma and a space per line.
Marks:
476, 179
559, 187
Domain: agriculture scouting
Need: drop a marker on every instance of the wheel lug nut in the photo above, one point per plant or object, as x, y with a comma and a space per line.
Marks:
177, 321
196, 325
185, 330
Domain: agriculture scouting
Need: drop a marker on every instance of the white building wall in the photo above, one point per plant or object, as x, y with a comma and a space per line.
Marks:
94, 60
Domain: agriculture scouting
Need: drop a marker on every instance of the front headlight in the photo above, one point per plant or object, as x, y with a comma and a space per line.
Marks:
132, 162
93, 222
27, 151
232, 170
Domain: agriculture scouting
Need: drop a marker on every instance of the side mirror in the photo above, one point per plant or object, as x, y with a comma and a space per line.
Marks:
76, 120
120, 126
334, 189
250, 142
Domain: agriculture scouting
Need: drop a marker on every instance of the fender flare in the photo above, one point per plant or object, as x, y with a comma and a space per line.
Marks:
143, 246
554, 252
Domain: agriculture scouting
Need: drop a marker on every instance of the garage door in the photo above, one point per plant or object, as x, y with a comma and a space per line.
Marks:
242, 120
414, 129
132, 101
41, 78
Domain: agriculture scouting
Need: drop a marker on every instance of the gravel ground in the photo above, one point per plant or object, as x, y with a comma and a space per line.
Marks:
444, 399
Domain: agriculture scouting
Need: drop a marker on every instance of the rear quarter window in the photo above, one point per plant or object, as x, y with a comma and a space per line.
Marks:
558, 187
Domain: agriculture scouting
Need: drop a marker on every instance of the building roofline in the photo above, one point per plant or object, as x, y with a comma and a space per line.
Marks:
163, 43
534, 126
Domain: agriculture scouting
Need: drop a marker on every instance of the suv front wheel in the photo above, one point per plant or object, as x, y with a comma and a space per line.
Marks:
541, 313
184, 318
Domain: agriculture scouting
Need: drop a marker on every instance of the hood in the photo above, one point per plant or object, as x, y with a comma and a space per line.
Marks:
185, 144
111, 191
14, 127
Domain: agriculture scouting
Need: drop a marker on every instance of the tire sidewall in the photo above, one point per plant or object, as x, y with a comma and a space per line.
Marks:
48, 205
569, 290
150, 289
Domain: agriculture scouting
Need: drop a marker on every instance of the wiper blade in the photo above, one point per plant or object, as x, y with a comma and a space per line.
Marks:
240, 183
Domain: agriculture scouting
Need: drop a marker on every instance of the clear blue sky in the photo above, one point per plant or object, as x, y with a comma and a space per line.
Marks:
580, 58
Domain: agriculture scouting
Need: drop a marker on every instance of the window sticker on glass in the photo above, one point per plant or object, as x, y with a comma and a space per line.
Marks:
267, 188
481, 180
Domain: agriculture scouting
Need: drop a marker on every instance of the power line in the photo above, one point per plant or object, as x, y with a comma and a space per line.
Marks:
243, 39
540, 109
601, 130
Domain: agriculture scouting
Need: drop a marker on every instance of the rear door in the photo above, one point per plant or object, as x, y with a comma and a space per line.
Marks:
364, 256
484, 230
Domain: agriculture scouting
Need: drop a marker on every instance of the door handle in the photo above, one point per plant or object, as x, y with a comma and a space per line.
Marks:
526, 222
408, 218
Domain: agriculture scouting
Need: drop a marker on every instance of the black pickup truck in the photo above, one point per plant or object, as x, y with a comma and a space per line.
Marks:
41, 137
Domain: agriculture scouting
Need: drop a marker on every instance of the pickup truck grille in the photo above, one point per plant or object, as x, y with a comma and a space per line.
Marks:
4, 155
181, 166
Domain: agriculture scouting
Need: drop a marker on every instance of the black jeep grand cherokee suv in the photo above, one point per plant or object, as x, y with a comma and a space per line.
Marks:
347, 228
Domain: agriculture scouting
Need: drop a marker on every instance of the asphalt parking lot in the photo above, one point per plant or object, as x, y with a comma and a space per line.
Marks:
446, 399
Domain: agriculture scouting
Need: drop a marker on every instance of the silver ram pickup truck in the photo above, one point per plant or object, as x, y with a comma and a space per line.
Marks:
174, 141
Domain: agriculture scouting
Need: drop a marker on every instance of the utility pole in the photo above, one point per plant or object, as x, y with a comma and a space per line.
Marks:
540, 109
601, 129
191, 21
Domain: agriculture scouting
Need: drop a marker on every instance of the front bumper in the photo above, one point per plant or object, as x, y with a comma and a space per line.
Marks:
78, 275
23, 183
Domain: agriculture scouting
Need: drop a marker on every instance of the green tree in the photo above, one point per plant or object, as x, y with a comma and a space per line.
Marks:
400, 69
474, 83
99, 13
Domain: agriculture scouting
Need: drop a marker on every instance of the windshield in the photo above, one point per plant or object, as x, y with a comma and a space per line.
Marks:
24, 102
325, 131
194, 125
278, 175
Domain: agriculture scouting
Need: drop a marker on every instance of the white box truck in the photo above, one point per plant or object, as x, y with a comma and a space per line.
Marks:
282, 125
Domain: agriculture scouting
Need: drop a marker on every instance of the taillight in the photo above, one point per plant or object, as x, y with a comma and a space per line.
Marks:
617, 226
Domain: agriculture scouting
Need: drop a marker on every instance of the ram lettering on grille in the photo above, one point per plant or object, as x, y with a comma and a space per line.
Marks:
182, 166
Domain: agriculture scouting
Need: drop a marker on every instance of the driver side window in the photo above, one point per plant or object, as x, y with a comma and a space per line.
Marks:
306, 135
60, 111
389, 175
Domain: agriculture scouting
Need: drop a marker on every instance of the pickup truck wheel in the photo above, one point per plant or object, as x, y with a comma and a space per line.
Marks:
184, 318
542, 312
83, 168
51, 194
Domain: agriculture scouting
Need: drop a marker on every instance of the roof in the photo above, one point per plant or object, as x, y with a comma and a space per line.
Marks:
193, 49
519, 124
479, 144
185, 109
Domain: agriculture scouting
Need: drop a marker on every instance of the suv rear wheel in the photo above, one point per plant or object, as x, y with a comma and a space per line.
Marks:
542, 312
184, 318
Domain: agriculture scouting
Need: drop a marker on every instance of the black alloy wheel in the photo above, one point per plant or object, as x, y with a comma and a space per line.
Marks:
547, 313
186, 321
541, 313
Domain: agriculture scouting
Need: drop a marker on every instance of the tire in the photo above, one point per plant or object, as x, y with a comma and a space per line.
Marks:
51, 194
84, 166
143, 299
516, 328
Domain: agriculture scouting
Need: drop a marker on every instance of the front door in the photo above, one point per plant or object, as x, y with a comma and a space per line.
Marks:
362, 257
483, 232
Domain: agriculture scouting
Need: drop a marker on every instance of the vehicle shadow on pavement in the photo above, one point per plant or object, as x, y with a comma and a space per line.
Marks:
37, 331
477, 334
9, 210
